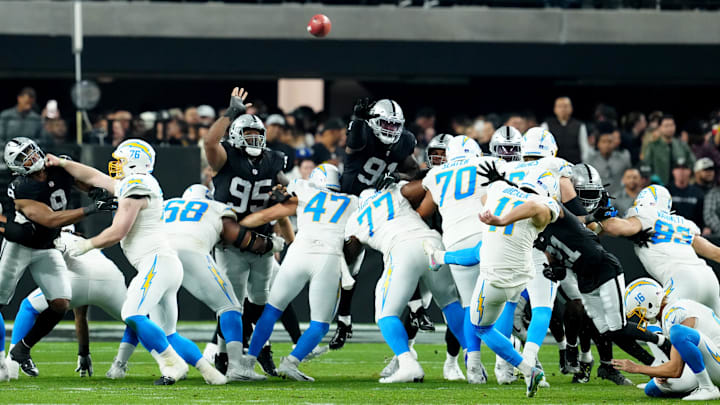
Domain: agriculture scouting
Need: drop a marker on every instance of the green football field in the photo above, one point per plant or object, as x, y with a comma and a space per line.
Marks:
346, 376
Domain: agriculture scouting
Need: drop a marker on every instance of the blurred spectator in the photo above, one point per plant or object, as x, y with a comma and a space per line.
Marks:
530, 120
711, 210
516, 121
687, 199
21, 120
118, 134
667, 149
704, 174
424, 126
326, 147
460, 124
206, 114
651, 132
191, 116
303, 168
274, 131
634, 125
570, 134
305, 122
610, 162
702, 143
56, 131
632, 184
605, 113
175, 133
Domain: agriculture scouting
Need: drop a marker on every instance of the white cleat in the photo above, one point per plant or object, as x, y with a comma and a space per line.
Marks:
210, 374
172, 365
118, 370
211, 349
316, 352
4, 375
543, 383
641, 386
289, 369
476, 373
504, 371
703, 394
390, 368
409, 370
244, 370
13, 368
451, 369
532, 381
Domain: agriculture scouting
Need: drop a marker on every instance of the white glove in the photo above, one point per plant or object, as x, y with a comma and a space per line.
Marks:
435, 257
278, 243
78, 247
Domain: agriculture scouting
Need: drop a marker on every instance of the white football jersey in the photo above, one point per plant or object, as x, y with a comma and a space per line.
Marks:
385, 218
147, 235
706, 321
671, 244
516, 171
195, 224
456, 189
321, 217
506, 252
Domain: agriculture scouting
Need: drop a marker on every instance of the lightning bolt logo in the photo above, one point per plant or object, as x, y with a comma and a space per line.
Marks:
218, 278
670, 288
670, 311
148, 280
481, 301
714, 355
386, 283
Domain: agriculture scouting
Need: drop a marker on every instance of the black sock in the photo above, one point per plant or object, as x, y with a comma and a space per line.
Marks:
217, 333
345, 306
631, 329
416, 294
250, 317
630, 346
44, 323
603, 343
586, 333
573, 320
290, 322
453, 346
556, 324
410, 329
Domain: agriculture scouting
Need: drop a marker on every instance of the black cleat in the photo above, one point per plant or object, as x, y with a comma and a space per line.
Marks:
584, 375
421, 320
21, 354
221, 362
561, 358
266, 361
165, 381
572, 365
342, 333
608, 372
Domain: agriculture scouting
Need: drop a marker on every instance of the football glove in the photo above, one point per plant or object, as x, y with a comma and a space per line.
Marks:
76, 247
386, 181
362, 107
435, 257
602, 213
490, 171
554, 272
278, 195
84, 366
278, 243
642, 238
236, 108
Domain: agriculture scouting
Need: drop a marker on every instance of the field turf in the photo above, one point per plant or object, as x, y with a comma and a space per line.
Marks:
346, 376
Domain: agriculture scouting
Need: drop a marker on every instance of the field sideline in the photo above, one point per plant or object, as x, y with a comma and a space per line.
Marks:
346, 376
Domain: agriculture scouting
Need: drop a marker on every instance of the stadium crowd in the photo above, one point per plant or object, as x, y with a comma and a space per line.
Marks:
629, 149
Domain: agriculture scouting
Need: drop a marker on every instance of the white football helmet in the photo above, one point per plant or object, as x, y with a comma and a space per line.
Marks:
643, 297
588, 185
197, 192
326, 176
133, 156
506, 143
23, 156
439, 142
388, 125
655, 196
542, 182
538, 141
464, 146
252, 144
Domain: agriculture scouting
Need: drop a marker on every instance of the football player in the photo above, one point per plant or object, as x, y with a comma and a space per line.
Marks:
314, 258
138, 226
377, 143
694, 331
40, 196
246, 173
386, 221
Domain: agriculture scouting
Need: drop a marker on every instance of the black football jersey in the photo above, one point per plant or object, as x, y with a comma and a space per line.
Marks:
244, 183
53, 192
579, 249
363, 168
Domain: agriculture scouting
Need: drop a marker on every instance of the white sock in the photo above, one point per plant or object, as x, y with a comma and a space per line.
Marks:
125, 350
449, 357
586, 357
221, 345
414, 305
346, 319
204, 366
525, 367
530, 351
405, 358
474, 358
562, 345
2, 357
661, 340
411, 343
292, 359
703, 378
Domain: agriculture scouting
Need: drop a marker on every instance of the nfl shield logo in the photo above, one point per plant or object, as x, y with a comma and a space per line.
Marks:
51, 183
254, 171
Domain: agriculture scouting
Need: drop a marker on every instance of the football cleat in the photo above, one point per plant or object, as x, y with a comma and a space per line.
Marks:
477, 374
452, 371
572, 365
411, 371
13, 368
533, 381
584, 375
430, 252
211, 349
164, 380
172, 365
608, 372
266, 361
543, 382
342, 334
221, 362
641, 386
504, 371
118, 370
288, 369
4, 374
703, 394
210, 374
562, 360
390, 368
422, 320
21, 354
245, 371
316, 352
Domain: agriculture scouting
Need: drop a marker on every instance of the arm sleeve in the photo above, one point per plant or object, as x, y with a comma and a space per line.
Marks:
710, 211
576, 207
464, 257
356, 135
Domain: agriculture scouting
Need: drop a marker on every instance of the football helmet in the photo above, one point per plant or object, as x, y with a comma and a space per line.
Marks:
252, 144
462, 146
539, 141
326, 176
133, 156
388, 125
197, 192
23, 156
439, 142
643, 297
588, 185
506, 143
542, 182
655, 196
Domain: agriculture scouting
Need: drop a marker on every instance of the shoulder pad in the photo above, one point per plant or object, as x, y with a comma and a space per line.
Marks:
137, 185
23, 188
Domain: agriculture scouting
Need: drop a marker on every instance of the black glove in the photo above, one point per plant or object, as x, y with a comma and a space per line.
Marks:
489, 170
236, 108
103, 201
362, 107
554, 272
642, 238
602, 212
278, 195
84, 366
386, 181
98, 193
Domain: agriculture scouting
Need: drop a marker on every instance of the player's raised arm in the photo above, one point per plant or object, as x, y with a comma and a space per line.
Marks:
277, 211
621, 227
214, 152
124, 218
355, 135
83, 173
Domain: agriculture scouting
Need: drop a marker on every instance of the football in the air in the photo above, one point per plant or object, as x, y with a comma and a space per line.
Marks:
319, 26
